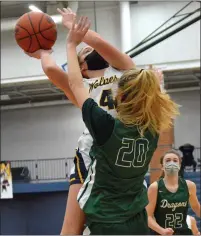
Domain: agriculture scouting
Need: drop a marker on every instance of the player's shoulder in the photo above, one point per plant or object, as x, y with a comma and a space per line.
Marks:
153, 190
190, 184
111, 71
153, 186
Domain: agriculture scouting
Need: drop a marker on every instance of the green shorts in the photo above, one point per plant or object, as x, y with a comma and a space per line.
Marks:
137, 225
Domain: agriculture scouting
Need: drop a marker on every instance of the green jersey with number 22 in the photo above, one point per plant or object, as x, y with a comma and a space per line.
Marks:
172, 207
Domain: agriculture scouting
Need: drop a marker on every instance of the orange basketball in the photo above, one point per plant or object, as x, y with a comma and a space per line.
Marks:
34, 31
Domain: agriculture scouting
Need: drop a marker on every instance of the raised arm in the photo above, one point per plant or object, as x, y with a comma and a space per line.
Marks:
74, 38
152, 196
111, 54
54, 73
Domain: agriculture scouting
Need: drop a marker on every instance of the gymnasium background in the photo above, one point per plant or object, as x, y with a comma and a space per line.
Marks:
40, 128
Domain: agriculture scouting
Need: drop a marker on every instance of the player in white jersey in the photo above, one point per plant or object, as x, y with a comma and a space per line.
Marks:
97, 64
102, 89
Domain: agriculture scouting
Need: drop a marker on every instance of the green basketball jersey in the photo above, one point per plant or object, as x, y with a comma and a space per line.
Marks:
114, 190
171, 208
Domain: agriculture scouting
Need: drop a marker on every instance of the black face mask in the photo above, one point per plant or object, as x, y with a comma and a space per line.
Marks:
95, 61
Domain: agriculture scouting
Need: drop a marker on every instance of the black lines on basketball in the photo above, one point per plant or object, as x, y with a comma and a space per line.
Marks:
46, 38
30, 44
24, 29
33, 29
29, 35
38, 33
50, 21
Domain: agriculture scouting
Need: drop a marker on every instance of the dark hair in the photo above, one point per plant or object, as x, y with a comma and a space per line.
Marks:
172, 151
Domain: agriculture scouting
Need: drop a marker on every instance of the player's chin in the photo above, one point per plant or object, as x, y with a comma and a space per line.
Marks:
85, 74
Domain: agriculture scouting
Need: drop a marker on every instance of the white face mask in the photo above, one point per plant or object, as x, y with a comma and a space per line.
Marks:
172, 168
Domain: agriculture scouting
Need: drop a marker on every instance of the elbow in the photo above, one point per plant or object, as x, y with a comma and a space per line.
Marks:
149, 220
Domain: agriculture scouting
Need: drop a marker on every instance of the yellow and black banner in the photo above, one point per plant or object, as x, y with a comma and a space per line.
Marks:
6, 185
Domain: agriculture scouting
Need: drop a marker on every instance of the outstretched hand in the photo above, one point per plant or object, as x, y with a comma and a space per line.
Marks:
67, 17
77, 33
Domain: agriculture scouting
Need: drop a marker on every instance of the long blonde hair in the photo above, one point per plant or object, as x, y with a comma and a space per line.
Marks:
140, 102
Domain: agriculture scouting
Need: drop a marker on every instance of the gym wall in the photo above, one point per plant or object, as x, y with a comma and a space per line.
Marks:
187, 125
186, 129
181, 47
40, 133
52, 132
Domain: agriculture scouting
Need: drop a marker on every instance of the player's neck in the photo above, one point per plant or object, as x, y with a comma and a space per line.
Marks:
171, 180
95, 73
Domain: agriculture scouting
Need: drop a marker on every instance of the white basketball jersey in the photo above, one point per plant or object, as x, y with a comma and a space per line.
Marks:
102, 90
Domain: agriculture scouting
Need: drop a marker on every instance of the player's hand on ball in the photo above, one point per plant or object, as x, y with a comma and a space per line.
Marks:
67, 17
38, 54
168, 231
77, 33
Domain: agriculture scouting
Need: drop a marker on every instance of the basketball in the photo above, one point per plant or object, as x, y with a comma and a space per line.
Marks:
34, 31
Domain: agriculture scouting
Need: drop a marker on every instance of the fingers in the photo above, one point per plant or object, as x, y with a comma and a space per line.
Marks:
87, 25
69, 10
171, 231
65, 10
73, 24
60, 11
83, 24
80, 24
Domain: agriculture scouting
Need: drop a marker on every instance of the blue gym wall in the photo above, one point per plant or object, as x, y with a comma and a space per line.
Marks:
38, 209
33, 214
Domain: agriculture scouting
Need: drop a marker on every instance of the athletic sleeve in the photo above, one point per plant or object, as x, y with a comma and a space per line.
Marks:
99, 123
